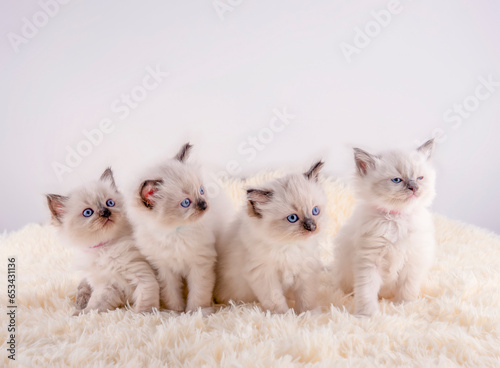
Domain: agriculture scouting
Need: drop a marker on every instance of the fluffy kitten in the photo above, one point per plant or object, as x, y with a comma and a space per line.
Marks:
272, 247
387, 246
174, 231
93, 221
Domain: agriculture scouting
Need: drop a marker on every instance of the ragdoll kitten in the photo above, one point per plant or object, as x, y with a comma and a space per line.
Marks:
272, 247
93, 220
174, 231
387, 246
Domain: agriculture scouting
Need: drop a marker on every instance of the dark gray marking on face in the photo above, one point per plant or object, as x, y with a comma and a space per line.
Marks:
309, 224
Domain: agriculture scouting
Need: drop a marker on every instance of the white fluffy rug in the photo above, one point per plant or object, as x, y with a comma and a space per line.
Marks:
455, 322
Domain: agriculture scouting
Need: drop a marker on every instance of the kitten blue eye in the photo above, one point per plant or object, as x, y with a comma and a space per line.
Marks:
420, 178
202, 191
87, 212
186, 203
110, 203
292, 218
315, 211
397, 180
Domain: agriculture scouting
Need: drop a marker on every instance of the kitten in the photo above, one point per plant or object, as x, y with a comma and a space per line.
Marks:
272, 247
387, 246
174, 230
92, 220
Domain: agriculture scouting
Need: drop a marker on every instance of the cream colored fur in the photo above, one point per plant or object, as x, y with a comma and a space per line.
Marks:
263, 255
454, 322
178, 241
104, 249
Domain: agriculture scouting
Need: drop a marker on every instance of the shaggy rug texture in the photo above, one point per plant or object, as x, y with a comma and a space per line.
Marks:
454, 322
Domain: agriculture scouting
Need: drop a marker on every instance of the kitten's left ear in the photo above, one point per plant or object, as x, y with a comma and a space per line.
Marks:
256, 198
107, 175
313, 172
427, 148
148, 190
56, 205
184, 152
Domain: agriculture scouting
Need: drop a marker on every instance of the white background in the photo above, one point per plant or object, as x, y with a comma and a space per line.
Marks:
228, 72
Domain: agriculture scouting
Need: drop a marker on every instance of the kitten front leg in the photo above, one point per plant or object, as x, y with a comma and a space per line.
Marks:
408, 284
83, 294
306, 293
147, 291
268, 290
201, 281
171, 290
367, 283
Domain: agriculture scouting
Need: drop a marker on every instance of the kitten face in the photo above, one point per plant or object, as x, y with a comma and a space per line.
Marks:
291, 208
92, 214
396, 180
175, 196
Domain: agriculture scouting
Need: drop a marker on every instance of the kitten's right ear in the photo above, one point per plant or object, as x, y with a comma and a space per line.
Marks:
364, 161
184, 152
427, 148
313, 172
56, 205
256, 198
148, 190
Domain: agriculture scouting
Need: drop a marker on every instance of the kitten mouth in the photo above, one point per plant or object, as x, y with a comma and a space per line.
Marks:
108, 220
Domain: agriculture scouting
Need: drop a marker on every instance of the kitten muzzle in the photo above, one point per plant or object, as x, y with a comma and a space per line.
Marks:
412, 185
105, 213
309, 224
201, 205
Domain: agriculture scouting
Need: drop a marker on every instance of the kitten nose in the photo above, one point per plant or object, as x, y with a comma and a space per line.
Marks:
201, 205
309, 225
105, 213
412, 185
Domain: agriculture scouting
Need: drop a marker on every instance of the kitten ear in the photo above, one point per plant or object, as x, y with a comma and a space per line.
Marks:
184, 152
107, 175
257, 197
148, 190
427, 148
313, 172
364, 160
56, 205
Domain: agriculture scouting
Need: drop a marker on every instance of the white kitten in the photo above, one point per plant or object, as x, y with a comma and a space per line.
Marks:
387, 246
272, 247
93, 221
174, 230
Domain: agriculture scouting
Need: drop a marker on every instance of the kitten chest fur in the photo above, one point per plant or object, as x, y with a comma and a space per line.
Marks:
179, 247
